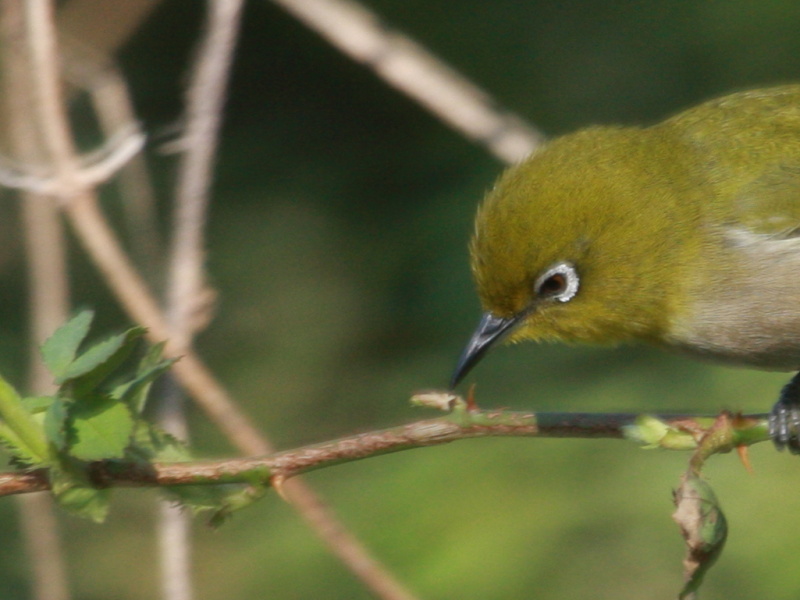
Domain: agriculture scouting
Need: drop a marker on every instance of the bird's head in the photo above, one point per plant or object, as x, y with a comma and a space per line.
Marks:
574, 244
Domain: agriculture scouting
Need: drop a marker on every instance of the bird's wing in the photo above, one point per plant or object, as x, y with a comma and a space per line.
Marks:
770, 203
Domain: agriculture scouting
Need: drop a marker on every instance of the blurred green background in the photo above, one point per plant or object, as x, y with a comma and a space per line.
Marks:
337, 243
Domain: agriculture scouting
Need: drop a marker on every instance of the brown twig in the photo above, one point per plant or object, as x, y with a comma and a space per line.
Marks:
461, 424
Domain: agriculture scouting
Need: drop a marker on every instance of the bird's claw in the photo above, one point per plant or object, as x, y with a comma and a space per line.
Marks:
784, 419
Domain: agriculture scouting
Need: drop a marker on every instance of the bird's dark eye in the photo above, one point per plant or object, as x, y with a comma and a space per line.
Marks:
553, 284
559, 282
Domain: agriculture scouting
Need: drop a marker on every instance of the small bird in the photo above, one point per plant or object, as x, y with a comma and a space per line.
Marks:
684, 234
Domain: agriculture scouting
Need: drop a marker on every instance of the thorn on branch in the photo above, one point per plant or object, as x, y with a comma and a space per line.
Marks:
472, 405
277, 482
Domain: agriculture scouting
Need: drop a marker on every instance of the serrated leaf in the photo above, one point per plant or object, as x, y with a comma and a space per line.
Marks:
55, 422
97, 362
153, 358
86, 502
154, 444
60, 349
37, 404
74, 493
221, 500
11, 442
102, 429
135, 392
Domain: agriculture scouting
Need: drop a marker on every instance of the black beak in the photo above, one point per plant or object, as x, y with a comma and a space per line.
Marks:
490, 330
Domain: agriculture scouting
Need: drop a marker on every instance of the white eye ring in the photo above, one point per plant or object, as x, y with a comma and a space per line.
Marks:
560, 282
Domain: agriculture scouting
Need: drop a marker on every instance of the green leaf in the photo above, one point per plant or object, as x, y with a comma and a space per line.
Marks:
74, 493
134, 392
55, 422
85, 501
60, 348
12, 443
101, 429
221, 500
97, 362
151, 443
37, 404
28, 439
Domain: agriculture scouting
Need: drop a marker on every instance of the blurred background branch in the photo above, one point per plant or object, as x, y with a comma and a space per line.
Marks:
414, 71
187, 306
47, 289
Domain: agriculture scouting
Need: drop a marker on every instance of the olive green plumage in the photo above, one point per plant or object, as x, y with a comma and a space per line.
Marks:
685, 234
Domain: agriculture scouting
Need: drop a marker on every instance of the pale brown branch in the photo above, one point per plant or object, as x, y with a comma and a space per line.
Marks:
414, 71
95, 168
203, 117
48, 296
104, 25
185, 300
114, 108
43, 544
97, 74
48, 102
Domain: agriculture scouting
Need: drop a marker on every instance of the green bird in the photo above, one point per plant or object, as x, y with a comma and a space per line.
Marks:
684, 234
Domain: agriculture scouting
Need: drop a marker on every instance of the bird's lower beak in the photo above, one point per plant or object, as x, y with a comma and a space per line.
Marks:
490, 330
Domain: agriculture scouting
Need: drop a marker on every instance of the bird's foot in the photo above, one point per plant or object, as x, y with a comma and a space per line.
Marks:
784, 419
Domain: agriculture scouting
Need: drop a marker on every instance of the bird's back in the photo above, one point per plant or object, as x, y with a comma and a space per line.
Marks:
745, 308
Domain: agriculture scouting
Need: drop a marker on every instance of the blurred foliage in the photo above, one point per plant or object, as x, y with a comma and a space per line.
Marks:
338, 246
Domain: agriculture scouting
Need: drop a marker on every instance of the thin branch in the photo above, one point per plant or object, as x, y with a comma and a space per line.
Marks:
113, 105
414, 71
48, 103
44, 238
204, 102
41, 534
48, 296
104, 25
175, 551
95, 168
679, 433
97, 74
185, 281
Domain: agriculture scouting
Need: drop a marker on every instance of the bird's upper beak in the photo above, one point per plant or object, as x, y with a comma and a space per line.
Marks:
490, 330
